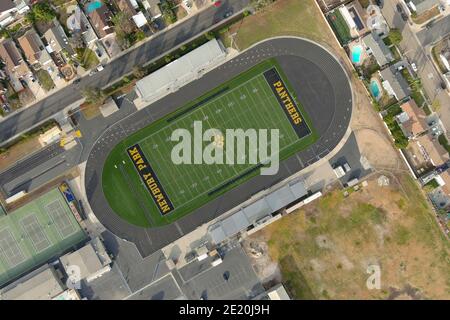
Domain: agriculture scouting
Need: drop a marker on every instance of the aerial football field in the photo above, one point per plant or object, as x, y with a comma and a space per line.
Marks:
146, 188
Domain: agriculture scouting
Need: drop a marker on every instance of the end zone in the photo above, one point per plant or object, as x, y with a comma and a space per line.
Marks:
287, 102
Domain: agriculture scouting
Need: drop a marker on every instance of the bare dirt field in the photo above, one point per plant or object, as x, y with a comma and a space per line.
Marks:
323, 250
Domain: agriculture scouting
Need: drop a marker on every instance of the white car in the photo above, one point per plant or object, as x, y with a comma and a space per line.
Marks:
414, 67
100, 67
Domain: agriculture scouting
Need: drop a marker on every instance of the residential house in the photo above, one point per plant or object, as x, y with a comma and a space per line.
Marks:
420, 6
394, 83
34, 49
78, 23
152, 7
9, 9
412, 120
126, 6
432, 150
375, 45
58, 43
15, 66
101, 21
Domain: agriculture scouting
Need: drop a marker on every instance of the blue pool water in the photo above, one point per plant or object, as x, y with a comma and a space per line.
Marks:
375, 89
93, 6
356, 54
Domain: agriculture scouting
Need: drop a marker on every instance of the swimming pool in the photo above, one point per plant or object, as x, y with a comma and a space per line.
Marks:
375, 89
93, 6
357, 54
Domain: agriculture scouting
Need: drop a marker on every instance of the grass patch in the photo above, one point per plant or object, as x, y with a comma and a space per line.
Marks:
296, 284
340, 27
444, 142
284, 17
326, 257
45, 80
402, 235
87, 58
416, 94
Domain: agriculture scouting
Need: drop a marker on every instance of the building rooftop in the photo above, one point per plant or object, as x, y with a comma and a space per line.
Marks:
256, 211
278, 293
6, 5
10, 54
178, 72
126, 6
416, 122
152, 6
90, 259
100, 20
33, 48
57, 39
379, 50
436, 153
396, 83
43, 284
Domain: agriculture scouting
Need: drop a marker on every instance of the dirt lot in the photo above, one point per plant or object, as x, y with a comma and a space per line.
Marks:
18, 151
323, 250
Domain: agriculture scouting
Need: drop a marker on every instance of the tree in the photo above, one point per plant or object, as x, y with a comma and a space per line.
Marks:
41, 11
209, 35
395, 36
261, 4
139, 72
122, 20
124, 28
93, 95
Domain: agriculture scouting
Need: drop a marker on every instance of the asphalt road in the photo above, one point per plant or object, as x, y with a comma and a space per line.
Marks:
163, 42
412, 48
323, 90
438, 30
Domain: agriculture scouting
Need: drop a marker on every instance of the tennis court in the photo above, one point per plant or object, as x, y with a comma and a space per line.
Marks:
35, 233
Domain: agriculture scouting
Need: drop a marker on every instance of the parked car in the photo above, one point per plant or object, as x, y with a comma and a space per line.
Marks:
76, 81
379, 3
399, 8
414, 67
100, 67
6, 108
429, 24
228, 14
404, 16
